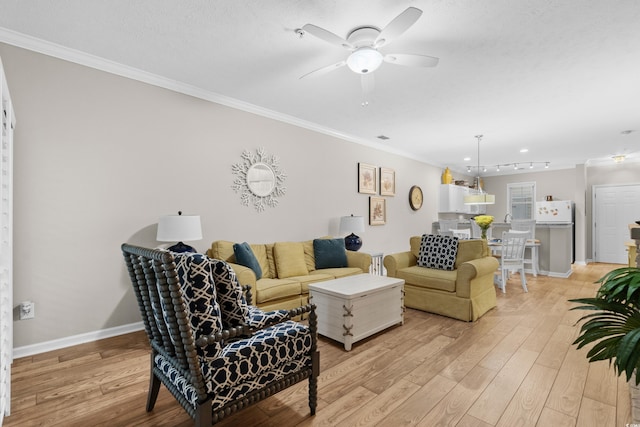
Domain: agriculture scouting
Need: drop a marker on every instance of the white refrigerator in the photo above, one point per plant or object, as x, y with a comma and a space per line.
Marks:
556, 212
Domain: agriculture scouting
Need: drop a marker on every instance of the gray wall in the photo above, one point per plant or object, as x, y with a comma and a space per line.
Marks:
569, 184
99, 158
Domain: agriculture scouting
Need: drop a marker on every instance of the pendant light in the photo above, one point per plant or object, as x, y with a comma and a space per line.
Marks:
480, 198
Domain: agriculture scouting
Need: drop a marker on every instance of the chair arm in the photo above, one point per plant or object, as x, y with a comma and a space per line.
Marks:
361, 260
242, 331
479, 270
246, 291
394, 262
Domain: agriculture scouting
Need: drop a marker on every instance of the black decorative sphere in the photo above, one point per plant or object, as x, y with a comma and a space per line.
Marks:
352, 242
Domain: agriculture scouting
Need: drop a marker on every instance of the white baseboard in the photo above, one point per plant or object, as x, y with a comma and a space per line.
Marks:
30, 350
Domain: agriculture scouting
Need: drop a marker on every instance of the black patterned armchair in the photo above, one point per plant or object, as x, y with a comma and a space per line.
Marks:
212, 350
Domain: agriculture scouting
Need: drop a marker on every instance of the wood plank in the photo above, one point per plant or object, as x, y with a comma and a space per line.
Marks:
526, 405
596, 414
455, 404
495, 398
420, 403
567, 390
549, 417
602, 383
499, 370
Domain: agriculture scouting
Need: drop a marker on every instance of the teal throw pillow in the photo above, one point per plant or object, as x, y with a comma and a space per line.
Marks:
329, 253
245, 256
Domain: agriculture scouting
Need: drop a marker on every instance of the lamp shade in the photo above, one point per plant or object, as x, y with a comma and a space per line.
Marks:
179, 228
479, 199
351, 224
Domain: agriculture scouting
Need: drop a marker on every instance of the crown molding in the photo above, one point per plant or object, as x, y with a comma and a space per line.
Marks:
88, 60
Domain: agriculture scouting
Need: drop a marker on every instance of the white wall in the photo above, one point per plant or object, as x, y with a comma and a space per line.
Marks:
98, 158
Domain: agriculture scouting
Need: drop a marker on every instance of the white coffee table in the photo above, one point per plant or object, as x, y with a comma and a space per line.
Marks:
355, 307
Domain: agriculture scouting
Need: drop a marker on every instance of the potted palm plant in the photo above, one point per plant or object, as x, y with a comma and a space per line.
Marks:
613, 326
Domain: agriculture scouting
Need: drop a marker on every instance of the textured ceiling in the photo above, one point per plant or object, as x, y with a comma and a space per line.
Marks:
558, 77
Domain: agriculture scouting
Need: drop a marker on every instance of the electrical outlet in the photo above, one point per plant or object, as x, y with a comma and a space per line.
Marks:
27, 310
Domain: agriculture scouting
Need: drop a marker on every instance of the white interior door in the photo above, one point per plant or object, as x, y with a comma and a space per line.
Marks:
614, 208
6, 246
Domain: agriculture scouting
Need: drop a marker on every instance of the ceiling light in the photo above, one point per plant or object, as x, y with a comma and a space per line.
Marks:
515, 166
364, 60
468, 169
619, 158
546, 165
480, 198
530, 165
524, 150
498, 168
484, 169
466, 159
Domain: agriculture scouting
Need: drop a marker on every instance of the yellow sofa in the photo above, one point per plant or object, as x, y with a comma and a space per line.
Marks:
465, 293
287, 270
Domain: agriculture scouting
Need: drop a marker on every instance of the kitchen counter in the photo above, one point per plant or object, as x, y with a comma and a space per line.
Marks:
555, 254
556, 247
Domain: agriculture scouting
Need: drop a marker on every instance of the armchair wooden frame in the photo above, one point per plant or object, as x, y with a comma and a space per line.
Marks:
155, 283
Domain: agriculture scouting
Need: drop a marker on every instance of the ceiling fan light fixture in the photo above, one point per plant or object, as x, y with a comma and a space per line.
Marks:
364, 60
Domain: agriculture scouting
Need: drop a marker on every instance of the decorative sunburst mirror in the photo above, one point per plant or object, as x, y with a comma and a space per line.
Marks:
259, 179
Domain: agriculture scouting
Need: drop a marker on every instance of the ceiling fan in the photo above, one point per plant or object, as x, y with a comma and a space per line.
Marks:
364, 42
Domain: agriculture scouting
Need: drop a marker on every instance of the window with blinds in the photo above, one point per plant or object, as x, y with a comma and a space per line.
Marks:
521, 200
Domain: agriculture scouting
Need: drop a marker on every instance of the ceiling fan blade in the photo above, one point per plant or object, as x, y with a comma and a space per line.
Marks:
399, 25
324, 70
327, 36
368, 83
411, 60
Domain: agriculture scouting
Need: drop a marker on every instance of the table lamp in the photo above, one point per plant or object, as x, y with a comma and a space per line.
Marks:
352, 224
172, 228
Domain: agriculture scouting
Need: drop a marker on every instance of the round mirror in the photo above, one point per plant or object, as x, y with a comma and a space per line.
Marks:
261, 179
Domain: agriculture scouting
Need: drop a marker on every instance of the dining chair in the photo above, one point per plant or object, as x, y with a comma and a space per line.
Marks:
446, 225
512, 257
528, 225
462, 234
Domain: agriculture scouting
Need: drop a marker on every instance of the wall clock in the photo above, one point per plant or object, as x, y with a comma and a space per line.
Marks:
415, 197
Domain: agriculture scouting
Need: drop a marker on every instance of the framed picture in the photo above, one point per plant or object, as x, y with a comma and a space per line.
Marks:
367, 179
387, 182
377, 211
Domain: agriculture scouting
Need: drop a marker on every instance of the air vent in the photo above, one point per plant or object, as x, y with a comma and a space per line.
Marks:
382, 137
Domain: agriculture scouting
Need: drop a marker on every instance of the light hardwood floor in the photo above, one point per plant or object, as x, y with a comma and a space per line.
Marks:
513, 367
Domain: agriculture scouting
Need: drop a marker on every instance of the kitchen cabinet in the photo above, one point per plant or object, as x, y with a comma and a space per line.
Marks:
452, 200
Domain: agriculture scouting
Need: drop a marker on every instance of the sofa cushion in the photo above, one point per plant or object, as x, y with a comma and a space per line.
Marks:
289, 258
329, 253
309, 257
338, 272
222, 249
429, 278
313, 277
273, 289
438, 252
245, 256
271, 262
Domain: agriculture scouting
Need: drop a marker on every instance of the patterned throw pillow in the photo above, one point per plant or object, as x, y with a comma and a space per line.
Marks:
234, 307
438, 252
199, 293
